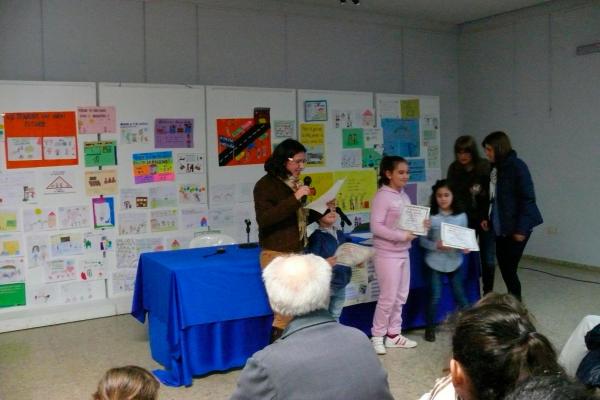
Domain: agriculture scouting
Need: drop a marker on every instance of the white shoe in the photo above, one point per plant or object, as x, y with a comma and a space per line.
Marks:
399, 341
378, 344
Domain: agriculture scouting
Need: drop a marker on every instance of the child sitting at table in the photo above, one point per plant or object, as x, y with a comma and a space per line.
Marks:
324, 242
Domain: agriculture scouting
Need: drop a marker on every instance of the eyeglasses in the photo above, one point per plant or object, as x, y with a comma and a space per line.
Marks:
298, 162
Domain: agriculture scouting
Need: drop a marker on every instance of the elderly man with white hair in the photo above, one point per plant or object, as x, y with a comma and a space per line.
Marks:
316, 357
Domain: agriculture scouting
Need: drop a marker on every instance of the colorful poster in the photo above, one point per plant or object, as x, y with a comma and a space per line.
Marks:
312, 136
8, 220
135, 133
39, 219
352, 138
72, 217
40, 139
195, 219
191, 193
243, 141
371, 158
12, 270
153, 167
315, 110
409, 109
10, 245
59, 181
133, 198
12, 295
354, 118
68, 244
104, 212
401, 137
173, 133
163, 220
189, 163
38, 250
98, 243
178, 242
100, 154
96, 120
358, 189
92, 269
61, 270
102, 182
416, 168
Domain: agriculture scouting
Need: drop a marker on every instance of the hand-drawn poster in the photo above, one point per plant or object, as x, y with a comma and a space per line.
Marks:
315, 110
133, 223
96, 120
195, 219
352, 138
72, 217
178, 242
10, 246
312, 136
102, 182
68, 244
38, 250
12, 269
91, 269
352, 158
416, 168
42, 295
191, 193
8, 220
244, 141
40, 139
173, 133
98, 243
63, 269
100, 154
354, 118
135, 133
357, 191
163, 196
17, 188
401, 137
146, 245
123, 281
133, 198
78, 292
284, 130
59, 181
153, 167
127, 253
104, 212
39, 219
190, 164
222, 195
163, 220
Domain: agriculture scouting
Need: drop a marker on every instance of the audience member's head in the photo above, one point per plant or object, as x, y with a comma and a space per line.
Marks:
506, 299
127, 383
297, 284
551, 387
494, 347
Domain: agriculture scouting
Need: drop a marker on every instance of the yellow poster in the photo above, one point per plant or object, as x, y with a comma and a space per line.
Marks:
358, 189
8, 220
321, 182
409, 109
312, 136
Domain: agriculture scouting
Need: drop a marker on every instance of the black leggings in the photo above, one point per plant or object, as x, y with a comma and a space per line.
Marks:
508, 253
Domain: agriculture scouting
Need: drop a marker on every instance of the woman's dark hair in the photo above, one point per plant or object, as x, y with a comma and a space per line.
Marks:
435, 208
388, 163
285, 150
500, 142
467, 144
553, 387
497, 347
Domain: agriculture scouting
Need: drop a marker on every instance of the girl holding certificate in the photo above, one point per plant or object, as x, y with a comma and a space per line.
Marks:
392, 264
513, 211
440, 259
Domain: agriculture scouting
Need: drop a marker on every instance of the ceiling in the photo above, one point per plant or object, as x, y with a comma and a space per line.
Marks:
446, 11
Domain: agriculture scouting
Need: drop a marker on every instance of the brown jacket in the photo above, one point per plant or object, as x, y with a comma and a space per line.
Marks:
276, 213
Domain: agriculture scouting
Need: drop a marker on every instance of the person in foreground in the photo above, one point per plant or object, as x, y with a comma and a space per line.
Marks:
316, 357
554, 387
127, 383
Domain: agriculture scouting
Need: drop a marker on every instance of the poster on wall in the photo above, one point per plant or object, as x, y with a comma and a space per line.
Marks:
12, 295
171, 133
17, 188
100, 154
40, 139
312, 136
8, 220
401, 137
244, 141
39, 219
355, 194
101, 182
135, 132
315, 110
12, 270
104, 212
189, 164
153, 167
59, 181
96, 120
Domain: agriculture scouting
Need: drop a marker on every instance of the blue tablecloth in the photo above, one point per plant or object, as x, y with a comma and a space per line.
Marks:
207, 311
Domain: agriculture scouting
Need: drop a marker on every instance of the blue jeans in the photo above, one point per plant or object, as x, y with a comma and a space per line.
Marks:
336, 302
435, 287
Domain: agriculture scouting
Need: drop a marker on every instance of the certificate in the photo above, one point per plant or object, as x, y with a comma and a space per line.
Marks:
459, 237
413, 218
351, 254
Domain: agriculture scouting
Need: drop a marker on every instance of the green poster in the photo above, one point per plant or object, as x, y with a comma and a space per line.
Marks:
12, 294
370, 158
100, 154
353, 138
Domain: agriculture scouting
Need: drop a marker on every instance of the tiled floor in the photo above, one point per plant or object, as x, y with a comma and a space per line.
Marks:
66, 361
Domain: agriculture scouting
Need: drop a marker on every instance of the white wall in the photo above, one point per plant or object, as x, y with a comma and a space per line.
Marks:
519, 73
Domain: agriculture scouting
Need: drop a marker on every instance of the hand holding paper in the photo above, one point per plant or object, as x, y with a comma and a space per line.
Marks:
459, 237
351, 254
322, 203
413, 219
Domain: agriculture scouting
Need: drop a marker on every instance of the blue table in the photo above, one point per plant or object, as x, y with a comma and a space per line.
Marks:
206, 311
209, 312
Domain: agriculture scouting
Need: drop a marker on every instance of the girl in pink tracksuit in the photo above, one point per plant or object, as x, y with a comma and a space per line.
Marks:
392, 263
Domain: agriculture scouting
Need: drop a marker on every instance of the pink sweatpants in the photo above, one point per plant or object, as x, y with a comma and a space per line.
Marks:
393, 275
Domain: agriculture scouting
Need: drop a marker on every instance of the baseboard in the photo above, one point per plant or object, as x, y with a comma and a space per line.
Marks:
571, 264
16, 319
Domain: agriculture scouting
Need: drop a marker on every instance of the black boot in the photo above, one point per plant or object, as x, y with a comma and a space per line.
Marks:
275, 334
430, 334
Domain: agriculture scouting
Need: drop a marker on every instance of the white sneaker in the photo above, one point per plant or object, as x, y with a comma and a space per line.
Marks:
399, 341
378, 344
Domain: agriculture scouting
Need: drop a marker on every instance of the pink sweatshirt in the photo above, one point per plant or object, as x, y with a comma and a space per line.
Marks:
386, 208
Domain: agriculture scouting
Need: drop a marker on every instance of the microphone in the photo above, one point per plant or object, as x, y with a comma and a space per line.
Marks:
248, 223
343, 216
247, 245
307, 181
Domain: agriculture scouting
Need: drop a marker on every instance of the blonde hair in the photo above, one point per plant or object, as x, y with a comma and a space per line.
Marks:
127, 383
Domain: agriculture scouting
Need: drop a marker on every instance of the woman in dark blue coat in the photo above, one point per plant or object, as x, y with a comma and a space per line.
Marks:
513, 211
